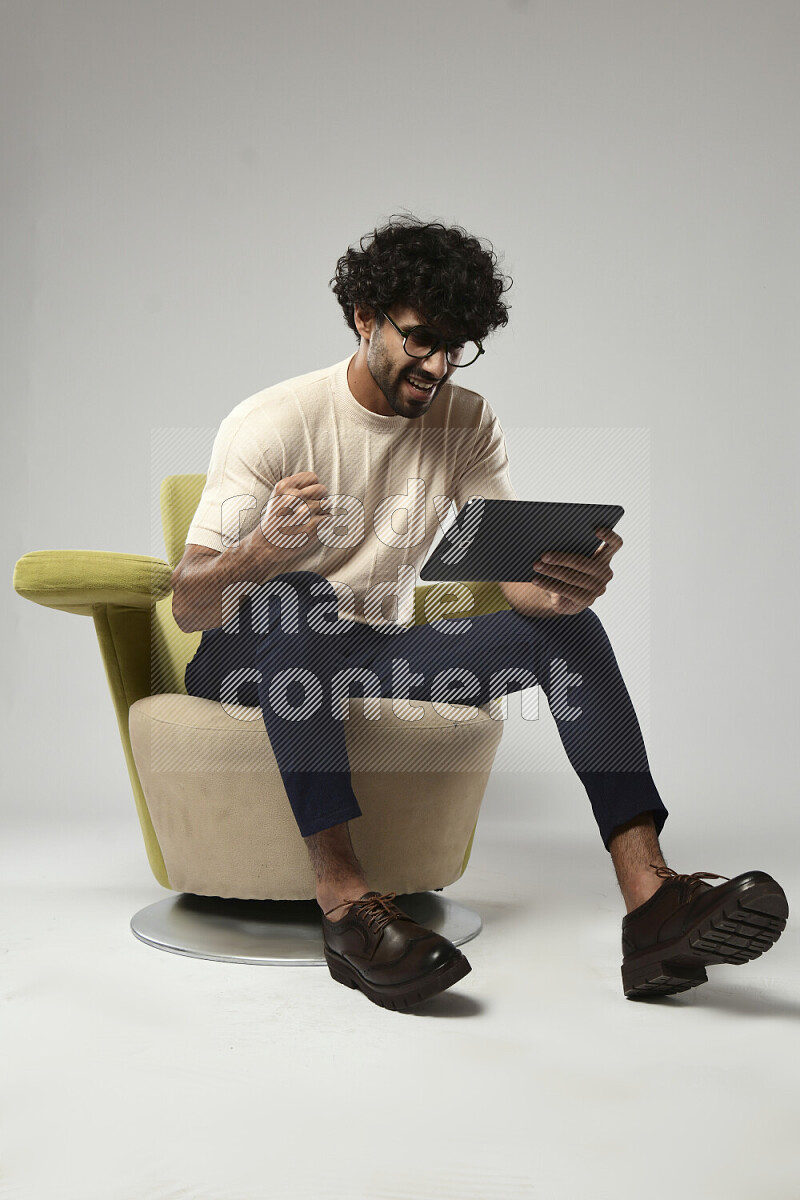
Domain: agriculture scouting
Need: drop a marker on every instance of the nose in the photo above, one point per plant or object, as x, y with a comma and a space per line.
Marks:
437, 363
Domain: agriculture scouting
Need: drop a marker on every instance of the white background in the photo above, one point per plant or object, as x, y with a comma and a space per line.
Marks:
178, 180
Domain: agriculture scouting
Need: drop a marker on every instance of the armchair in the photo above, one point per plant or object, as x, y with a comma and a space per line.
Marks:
215, 819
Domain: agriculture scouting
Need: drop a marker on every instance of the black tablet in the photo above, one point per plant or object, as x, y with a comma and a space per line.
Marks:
500, 540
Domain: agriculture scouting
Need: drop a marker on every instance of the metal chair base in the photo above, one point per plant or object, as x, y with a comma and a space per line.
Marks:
274, 932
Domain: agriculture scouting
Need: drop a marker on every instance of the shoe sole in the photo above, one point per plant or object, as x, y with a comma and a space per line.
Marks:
745, 924
399, 997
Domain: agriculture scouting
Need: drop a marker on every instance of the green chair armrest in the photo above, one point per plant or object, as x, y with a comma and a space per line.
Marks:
77, 581
487, 598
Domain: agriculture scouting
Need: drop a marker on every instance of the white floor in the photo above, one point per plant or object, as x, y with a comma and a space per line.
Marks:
133, 1074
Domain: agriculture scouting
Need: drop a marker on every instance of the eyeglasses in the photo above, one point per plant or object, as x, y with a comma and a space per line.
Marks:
420, 342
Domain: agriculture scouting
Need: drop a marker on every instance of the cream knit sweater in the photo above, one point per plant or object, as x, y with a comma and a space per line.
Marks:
393, 482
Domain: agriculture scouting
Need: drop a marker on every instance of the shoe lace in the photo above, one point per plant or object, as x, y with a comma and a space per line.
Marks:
377, 911
690, 881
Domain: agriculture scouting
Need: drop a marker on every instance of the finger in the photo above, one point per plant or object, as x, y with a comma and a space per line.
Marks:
311, 496
294, 499
286, 500
300, 480
562, 603
581, 594
591, 571
566, 559
559, 578
612, 542
290, 509
563, 558
315, 491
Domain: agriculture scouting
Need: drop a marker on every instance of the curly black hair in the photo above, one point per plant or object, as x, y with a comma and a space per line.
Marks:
448, 276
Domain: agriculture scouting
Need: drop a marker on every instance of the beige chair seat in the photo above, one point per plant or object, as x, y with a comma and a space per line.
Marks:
215, 817
223, 819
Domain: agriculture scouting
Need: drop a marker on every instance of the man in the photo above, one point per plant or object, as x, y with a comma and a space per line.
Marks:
299, 506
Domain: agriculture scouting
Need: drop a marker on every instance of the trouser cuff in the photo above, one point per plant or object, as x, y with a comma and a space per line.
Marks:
618, 796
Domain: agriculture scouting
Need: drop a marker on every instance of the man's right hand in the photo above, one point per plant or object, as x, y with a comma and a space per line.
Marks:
288, 527
289, 521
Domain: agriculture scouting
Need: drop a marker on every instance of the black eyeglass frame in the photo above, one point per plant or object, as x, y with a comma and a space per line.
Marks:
406, 334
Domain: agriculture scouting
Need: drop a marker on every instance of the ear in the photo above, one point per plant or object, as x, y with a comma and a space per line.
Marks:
365, 319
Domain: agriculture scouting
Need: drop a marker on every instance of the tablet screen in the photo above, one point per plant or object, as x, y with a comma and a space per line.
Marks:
499, 540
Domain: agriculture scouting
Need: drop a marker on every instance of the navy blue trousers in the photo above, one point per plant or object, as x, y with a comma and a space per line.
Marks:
284, 648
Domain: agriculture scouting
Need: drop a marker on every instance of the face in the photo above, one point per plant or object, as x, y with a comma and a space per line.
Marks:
396, 372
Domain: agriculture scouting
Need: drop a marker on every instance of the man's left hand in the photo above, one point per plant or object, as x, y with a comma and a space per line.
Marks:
580, 579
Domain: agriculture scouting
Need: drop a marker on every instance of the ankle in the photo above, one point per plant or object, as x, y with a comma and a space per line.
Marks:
331, 893
639, 889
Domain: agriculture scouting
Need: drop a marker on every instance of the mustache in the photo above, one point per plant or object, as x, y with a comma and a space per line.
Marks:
421, 376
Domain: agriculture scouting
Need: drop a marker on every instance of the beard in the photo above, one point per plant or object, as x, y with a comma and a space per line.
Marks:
391, 380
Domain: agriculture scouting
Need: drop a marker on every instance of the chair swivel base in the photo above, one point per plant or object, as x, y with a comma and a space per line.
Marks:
274, 932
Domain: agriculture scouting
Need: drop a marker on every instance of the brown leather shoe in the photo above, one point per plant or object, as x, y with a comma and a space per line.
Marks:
396, 963
687, 925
